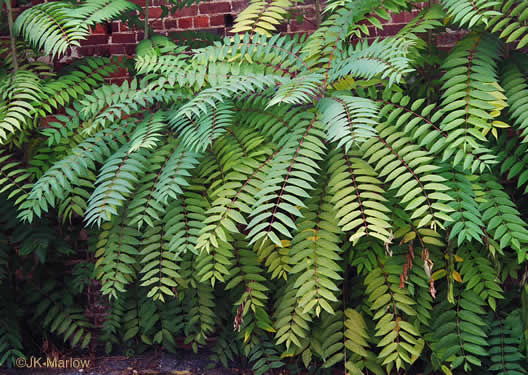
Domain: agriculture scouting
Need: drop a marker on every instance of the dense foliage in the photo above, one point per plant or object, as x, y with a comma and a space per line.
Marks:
311, 201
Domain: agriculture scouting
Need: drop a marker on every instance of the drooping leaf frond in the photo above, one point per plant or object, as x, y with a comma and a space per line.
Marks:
58, 25
509, 22
470, 13
262, 16
460, 334
57, 181
406, 167
18, 93
315, 253
515, 81
471, 93
358, 198
349, 120
289, 178
115, 183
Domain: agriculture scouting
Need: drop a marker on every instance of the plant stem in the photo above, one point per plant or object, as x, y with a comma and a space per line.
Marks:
430, 33
147, 6
317, 13
11, 34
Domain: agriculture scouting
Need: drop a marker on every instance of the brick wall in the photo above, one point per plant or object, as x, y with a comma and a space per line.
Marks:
212, 15
215, 16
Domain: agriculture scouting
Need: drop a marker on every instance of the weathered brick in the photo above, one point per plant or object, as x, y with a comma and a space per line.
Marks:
155, 12
185, 23
124, 38
95, 39
86, 51
157, 25
305, 26
130, 49
99, 29
390, 29
201, 21
309, 12
186, 12
282, 28
171, 24
238, 6
398, 18
213, 7
117, 49
217, 20
102, 50
373, 31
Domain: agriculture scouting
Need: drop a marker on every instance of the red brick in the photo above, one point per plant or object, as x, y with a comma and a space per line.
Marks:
117, 49
130, 49
186, 12
139, 2
408, 17
309, 12
390, 29
155, 12
217, 20
86, 51
399, 18
305, 26
282, 28
171, 24
215, 8
201, 21
185, 23
116, 27
124, 38
99, 29
238, 6
157, 25
92, 40
102, 50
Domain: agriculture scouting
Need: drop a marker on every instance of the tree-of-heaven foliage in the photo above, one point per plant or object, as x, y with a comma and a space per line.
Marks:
325, 202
